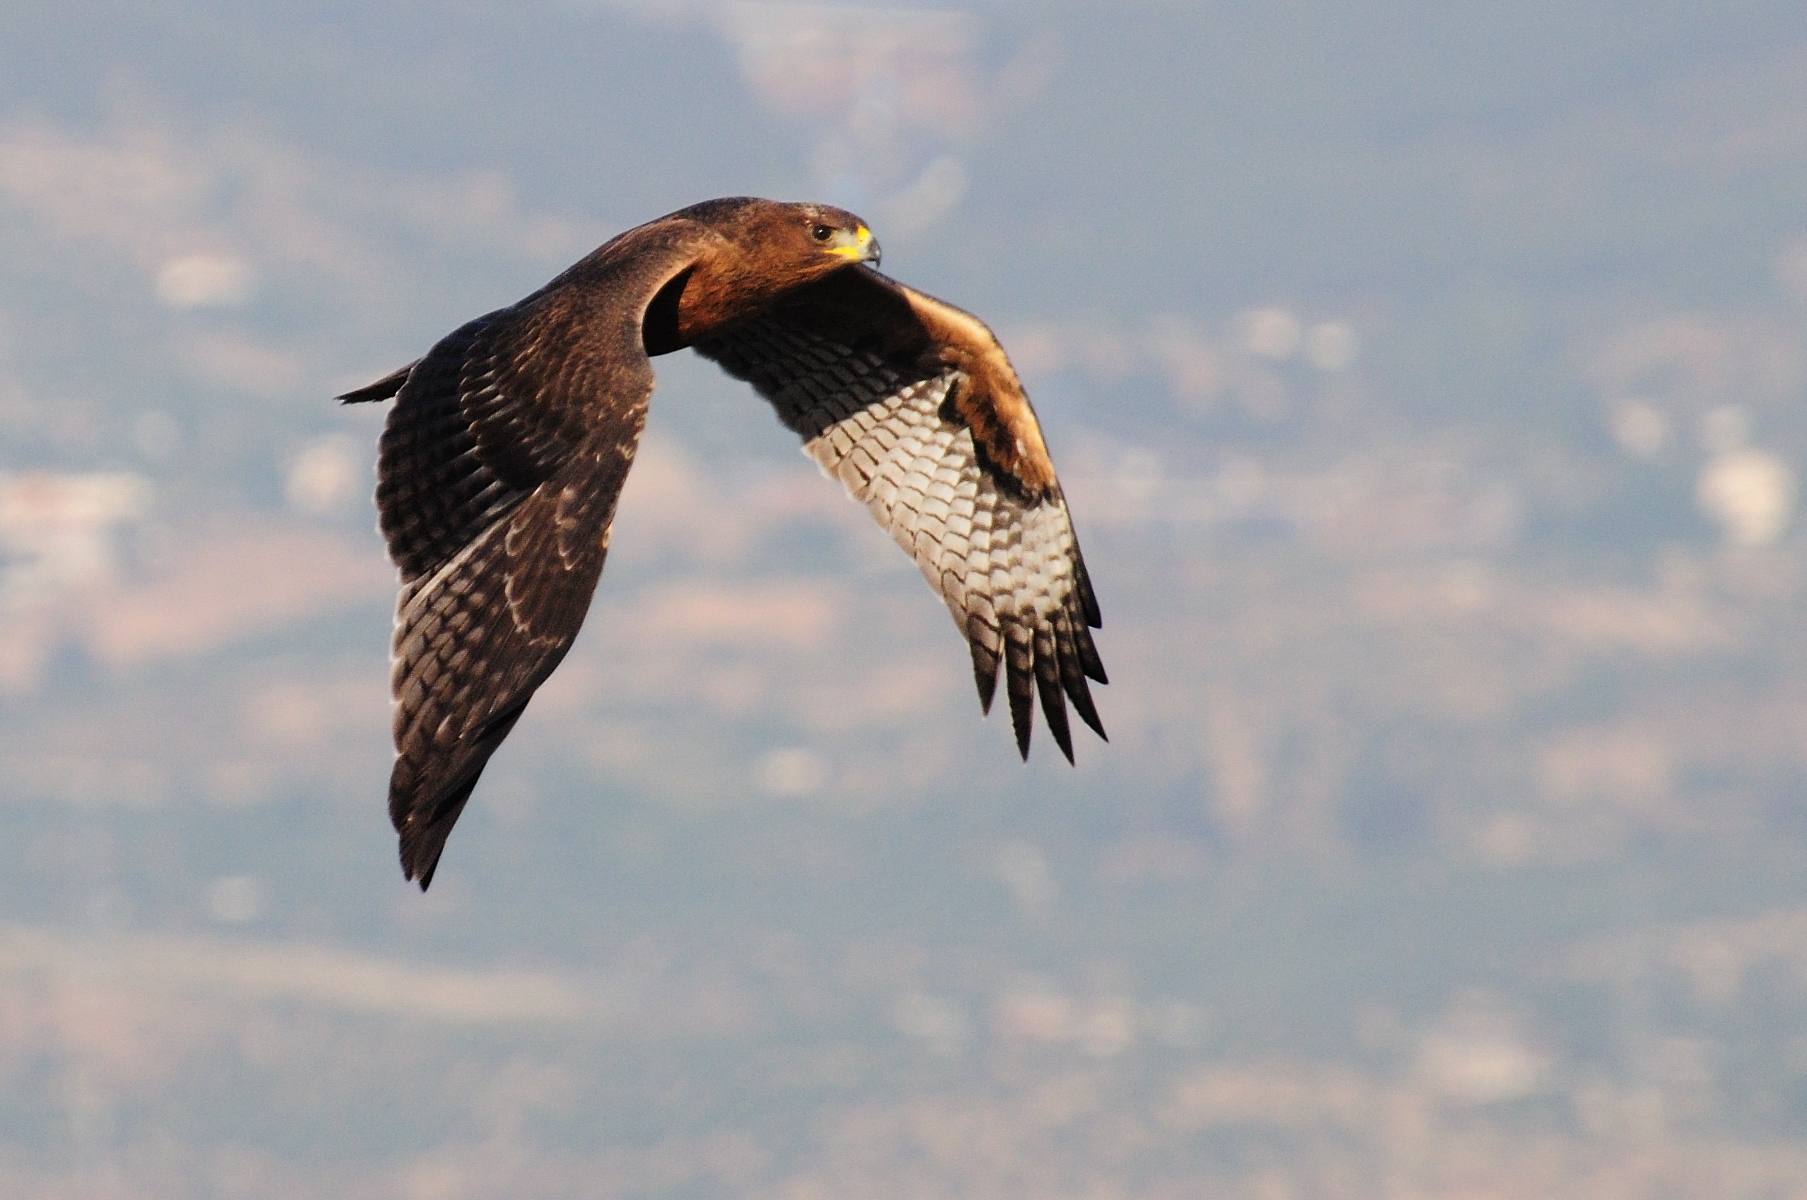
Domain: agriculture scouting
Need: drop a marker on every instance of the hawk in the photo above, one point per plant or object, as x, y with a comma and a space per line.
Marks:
502, 459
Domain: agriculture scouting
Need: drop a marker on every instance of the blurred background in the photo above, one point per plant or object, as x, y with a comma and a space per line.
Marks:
1427, 381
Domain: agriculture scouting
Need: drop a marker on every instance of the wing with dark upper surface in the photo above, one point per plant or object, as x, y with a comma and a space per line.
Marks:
499, 471
508, 445
912, 405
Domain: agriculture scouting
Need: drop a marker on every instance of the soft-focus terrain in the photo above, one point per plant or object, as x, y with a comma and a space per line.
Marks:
1428, 388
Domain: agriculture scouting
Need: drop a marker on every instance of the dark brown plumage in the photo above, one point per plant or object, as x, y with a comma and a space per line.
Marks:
509, 442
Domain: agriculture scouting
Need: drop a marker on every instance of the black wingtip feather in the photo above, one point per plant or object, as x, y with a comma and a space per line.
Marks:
1048, 684
1082, 704
1088, 602
1089, 662
1022, 713
985, 673
1024, 726
1068, 637
1019, 684
1054, 711
1073, 680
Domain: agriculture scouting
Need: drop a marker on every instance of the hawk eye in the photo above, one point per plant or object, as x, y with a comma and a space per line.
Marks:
821, 232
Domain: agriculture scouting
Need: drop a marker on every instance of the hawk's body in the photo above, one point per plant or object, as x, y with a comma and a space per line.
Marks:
509, 442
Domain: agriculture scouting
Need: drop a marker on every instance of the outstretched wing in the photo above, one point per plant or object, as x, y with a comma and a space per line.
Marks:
913, 406
499, 470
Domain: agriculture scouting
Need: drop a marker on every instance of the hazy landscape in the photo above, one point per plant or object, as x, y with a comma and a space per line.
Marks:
1428, 388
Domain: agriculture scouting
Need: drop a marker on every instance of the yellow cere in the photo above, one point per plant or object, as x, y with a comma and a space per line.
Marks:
854, 247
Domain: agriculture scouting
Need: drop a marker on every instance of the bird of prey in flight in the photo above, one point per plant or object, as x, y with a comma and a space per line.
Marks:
508, 444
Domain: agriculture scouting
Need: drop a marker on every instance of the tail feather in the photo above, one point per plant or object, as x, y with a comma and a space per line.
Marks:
383, 389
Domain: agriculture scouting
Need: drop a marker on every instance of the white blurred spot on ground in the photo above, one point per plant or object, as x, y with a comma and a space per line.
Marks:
1108, 1029
1480, 1070
1480, 1055
236, 899
1034, 1014
880, 71
1725, 429
157, 436
1175, 1023
1332, 346
1640, 428
940, 1022
794, 771
811, 58
1749, 494
1271, 333
1102, 1028
430, 1180
1201, 368
205, 281
933, 195
1024, 870
1195, 369
885, 91
57, 531
325, 477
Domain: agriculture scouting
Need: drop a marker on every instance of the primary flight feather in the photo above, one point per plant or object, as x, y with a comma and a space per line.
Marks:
506, 450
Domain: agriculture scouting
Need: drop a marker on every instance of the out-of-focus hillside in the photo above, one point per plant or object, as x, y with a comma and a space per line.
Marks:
1427, 386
